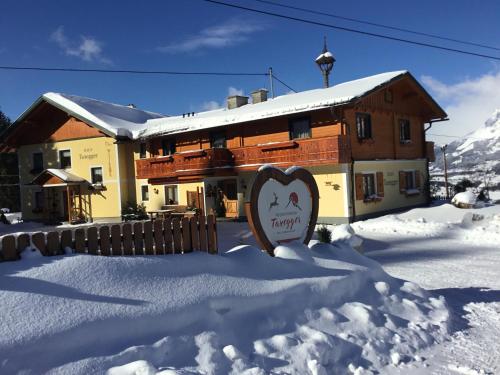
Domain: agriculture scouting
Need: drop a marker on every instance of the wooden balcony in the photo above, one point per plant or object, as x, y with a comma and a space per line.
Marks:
190, 163
220, 161
303, 152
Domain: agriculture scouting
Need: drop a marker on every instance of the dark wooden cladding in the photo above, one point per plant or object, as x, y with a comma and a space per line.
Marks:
429, 151
312, 151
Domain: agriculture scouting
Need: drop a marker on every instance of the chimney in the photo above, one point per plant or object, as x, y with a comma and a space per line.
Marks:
259, 96
236, 101
131, 105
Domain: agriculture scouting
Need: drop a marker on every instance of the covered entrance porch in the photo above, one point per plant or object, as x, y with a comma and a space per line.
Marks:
64, 197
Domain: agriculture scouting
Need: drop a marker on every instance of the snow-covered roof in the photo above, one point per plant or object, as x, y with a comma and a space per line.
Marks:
63, 174
113, 119
279, 106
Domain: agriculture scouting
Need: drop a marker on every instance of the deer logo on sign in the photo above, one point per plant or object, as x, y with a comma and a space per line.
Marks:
274, 203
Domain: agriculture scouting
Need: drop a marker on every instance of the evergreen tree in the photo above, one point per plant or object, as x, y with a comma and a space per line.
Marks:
4, 122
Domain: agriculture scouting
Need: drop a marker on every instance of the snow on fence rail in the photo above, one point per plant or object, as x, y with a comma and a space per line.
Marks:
169, 236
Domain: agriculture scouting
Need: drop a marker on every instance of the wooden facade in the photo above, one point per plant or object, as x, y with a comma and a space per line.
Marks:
333, 138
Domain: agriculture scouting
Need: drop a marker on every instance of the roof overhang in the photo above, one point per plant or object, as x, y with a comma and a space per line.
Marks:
57, 177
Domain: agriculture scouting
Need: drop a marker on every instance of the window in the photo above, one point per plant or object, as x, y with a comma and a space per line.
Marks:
142, 151
364, 125
409, 182
65, 159
145, 192
300, 128
37, 162
404, 131
171, 194
38, 200
369, 185
168, 147
96, 175
218, 139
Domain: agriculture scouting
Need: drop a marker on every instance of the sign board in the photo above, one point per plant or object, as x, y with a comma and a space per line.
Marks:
283, 206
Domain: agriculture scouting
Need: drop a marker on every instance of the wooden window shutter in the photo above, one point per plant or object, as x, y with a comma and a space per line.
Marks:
380, 184
358, 182
417, 179
402, 182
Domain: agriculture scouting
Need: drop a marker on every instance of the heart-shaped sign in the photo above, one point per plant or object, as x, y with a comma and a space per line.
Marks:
283, 206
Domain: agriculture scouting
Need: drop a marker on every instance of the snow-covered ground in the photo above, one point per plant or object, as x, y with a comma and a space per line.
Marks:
444, 250
323, 310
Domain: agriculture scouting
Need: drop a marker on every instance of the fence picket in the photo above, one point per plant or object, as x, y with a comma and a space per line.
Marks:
127, 239
53, 245
104, 240
186, 236
177, 234
80, 240
23, 241
138, 245
167, 235
212, 236
38, 240
66, 240
92, 241
148, 238
195, 239
203, 234
9, 248
158, 235
116, 240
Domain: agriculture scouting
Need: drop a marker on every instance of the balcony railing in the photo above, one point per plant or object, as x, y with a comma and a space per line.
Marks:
196, 162
304, 152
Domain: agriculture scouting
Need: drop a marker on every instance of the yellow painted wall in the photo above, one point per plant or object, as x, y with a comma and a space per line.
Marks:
332, 186
85, 153
392, 199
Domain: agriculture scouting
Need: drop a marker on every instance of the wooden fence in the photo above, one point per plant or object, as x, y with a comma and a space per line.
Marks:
160, 237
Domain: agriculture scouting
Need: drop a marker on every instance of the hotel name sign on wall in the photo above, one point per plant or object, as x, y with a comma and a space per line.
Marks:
283, 206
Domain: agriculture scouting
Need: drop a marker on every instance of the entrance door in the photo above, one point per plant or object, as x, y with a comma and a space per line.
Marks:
230, 197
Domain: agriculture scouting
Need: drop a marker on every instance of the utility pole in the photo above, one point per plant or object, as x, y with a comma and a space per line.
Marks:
271, 82
443, 148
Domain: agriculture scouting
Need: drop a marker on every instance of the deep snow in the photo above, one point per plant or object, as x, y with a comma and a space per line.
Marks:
321, 310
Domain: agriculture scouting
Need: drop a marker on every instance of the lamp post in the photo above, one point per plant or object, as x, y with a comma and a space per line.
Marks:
443, 148
325, 63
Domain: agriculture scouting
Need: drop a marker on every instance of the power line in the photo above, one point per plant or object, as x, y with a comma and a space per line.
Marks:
354, 30
163, 72
283, 83
378, 24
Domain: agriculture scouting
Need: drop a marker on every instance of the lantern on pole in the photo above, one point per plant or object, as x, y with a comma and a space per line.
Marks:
325, 63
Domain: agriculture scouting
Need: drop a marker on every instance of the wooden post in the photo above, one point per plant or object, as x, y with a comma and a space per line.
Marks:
68, 198
195, 238
212, 235
23, 241
80, 200
92, 242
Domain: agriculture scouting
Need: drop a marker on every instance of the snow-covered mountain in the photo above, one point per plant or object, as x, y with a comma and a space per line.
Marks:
476, 156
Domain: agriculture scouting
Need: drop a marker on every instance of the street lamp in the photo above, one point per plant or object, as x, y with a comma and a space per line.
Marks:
325, 63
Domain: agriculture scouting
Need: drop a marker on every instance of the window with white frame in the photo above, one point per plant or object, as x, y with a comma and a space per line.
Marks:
369, 186
145, 192
404, 131
410, 180
96, 175
364, 125
171, 196
300, 128
65, 159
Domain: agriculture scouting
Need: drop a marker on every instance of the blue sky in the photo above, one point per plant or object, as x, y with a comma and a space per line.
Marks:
193, 35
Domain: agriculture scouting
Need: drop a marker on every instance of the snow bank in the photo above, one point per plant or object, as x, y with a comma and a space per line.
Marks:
467, 198
241, 312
